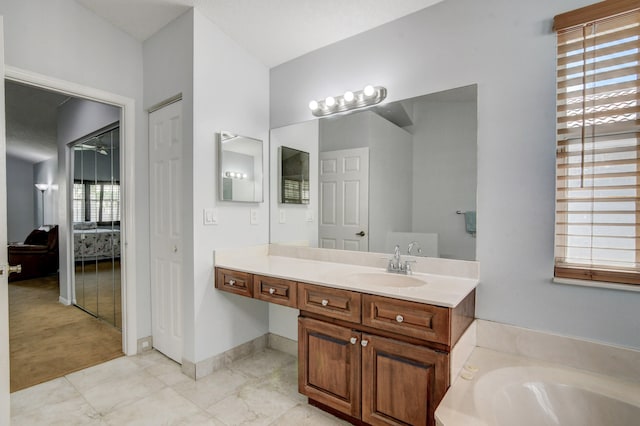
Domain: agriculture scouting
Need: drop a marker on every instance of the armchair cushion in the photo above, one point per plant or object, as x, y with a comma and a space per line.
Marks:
38, 255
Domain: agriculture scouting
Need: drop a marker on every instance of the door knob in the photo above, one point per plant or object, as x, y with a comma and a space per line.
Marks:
360, 234
15, 269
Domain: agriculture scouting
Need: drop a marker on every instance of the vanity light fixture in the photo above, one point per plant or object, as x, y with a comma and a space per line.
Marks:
368, 96
235, 175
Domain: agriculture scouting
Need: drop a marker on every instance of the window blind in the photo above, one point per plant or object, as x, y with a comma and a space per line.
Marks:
598, 133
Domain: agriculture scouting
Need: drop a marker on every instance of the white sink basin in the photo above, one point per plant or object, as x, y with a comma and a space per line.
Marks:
385, 279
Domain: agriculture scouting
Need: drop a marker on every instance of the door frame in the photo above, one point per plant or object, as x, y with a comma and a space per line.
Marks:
127, 161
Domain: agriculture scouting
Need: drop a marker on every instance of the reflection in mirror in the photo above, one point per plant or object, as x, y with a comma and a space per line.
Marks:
240, 168
396, 173
294, 176
96, 225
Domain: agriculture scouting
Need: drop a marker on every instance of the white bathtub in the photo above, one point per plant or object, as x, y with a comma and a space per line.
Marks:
507, 390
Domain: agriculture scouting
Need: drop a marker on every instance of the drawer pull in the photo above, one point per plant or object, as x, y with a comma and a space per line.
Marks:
272, 290
399, 318
325, 302
364, 343
353, 340
232, 282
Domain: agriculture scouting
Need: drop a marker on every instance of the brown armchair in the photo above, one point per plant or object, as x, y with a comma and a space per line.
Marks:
38, 255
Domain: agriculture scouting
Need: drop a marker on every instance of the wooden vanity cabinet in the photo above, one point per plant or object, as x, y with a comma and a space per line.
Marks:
377, 380
373, 360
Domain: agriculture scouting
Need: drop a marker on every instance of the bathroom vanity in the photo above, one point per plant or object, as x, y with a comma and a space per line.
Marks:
374, 348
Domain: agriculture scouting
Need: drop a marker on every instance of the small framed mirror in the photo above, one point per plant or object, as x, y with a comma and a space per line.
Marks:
240, 168
294, 176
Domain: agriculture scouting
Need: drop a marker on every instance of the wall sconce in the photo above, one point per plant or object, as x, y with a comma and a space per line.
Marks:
368, 96
235, 175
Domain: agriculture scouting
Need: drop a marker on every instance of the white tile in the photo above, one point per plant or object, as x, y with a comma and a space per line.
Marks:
159, 408
262, 363
110, 395
70, 412
110, 370
211, 389
48, 393
252, 405
306, 415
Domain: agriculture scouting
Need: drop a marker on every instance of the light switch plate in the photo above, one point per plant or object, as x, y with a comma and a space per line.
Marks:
282, 216
253, 216
210, 216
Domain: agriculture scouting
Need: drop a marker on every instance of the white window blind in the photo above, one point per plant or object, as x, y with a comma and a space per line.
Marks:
598, 128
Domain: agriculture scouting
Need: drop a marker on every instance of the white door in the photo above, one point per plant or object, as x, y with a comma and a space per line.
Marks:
165, 186
4, 290
344, 199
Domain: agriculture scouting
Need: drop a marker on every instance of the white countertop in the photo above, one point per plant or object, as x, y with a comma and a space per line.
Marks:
440, 290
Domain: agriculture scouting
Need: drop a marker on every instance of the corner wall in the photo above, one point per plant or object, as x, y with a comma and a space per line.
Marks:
22, 196
64, 40
231, 92
507, 47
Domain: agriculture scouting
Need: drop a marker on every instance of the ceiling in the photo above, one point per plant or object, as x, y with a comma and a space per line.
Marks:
31, 116
263, 28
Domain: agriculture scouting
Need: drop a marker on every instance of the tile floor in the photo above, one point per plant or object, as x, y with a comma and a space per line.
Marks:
149, 389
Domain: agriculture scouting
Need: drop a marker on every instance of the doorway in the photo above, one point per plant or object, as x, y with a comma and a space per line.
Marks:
126, 114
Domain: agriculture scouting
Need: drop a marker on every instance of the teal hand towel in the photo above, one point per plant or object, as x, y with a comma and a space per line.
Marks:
470, 222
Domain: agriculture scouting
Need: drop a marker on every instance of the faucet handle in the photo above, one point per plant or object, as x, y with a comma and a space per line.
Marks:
407, 266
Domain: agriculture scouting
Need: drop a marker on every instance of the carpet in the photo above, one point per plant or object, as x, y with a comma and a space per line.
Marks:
48, 340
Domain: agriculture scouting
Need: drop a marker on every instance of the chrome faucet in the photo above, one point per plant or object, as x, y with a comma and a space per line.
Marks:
412, 244
396, 265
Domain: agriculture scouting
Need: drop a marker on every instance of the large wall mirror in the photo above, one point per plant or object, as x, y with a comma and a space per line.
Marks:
240, 168
95, 205
392, 174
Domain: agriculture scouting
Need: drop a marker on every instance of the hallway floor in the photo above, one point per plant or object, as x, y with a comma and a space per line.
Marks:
150, 389
48, 339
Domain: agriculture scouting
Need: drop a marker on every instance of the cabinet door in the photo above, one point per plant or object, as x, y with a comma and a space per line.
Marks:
329, 365
401, 383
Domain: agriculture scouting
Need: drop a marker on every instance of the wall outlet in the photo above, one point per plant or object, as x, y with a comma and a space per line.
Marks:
145, 344
283, 216
210, 216
253, 216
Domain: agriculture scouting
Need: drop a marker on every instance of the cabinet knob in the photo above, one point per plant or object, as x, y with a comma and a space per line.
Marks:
232, 282
353, 340
325, 302
399, 318
364, 343
272, 290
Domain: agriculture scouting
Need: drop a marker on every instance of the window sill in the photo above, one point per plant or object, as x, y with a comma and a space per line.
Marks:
597, 284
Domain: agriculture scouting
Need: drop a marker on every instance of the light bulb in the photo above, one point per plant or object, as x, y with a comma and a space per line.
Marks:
348, 96
330, 101
369, 90
244, 176
313, 105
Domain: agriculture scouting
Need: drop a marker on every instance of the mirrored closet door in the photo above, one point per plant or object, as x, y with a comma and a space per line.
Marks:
96, 225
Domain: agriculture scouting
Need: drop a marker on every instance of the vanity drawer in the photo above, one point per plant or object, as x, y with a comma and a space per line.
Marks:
275, 290
234, 282
330, 302
419, 320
